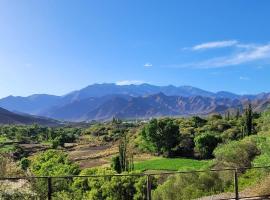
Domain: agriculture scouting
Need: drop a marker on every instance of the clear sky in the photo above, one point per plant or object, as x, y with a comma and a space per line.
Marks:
56, 46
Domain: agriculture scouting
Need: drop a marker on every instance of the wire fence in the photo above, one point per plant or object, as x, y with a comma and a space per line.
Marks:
214, 184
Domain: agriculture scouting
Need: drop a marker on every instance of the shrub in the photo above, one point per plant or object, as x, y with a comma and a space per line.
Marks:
236, 154
8, 167
110, 187
24, 163
189, 186
53, 163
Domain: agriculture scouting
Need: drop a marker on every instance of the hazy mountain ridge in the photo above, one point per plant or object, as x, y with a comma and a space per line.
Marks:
103, 101
32, 104
7, 117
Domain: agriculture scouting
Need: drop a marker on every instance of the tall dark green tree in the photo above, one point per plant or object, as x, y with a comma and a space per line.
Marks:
124, 160
238, 113
248, 121
228, 115
123, 155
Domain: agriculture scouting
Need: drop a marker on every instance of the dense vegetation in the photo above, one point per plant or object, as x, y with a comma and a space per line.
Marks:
196, 137
235, 140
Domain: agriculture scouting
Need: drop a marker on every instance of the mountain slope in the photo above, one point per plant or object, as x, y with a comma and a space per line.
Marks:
76, 110
160, 105
7, 117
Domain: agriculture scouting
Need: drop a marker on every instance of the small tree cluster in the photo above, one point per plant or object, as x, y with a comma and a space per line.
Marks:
161, 136
123, 162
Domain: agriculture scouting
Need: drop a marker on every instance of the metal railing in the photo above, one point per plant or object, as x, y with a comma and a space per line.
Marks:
47, 181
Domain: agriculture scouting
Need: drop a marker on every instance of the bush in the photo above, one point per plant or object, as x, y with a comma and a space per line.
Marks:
24, 163
8, 167
236, 154
53, 163
189, 186
110, 187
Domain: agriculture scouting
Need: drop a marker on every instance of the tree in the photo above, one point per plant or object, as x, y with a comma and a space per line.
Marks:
186, 146
238, 113
228, 115
198, 121
162, 136
205, 144
116, 164
124, 160
248, 121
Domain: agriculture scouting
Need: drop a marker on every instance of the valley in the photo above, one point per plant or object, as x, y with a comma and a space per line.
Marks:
160, 145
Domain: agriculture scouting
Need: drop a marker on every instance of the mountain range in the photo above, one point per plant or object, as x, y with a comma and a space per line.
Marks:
104, 101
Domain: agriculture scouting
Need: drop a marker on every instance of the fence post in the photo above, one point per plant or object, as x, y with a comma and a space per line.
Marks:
236, 184
148, 187
49, 181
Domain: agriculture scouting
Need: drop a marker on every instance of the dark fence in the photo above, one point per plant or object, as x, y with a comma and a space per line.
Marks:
45, 187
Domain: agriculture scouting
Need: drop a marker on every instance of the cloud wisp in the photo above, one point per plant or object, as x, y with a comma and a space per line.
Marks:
148, 65
214, 45
130, 82
244, 78
245, 53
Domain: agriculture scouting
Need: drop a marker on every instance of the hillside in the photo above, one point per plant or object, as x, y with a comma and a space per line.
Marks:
7, 117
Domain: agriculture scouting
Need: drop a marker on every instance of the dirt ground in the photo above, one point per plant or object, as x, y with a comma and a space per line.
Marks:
89, 155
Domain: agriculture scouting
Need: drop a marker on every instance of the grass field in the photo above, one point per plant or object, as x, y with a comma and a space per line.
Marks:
172, 164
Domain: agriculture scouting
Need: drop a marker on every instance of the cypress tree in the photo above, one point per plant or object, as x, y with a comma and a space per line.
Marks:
248, 120
227, 115
124, 160
237, 116
123, 154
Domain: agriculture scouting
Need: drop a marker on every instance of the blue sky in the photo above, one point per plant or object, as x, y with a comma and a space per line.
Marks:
56, 46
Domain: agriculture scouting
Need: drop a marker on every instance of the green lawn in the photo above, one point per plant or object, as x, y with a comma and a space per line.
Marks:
174, 164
